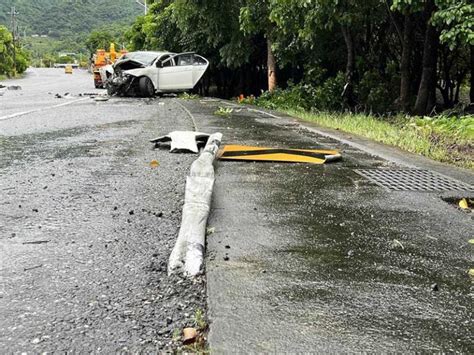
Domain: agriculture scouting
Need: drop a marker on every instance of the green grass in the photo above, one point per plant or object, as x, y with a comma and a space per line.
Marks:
445, 139
187, 96
224, 111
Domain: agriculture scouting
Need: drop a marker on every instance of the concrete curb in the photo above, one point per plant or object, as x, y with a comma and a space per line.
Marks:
188, 252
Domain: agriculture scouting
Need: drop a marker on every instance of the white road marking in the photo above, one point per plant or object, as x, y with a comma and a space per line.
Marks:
18, 114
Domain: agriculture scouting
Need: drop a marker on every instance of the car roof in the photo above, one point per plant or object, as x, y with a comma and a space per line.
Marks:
158, 54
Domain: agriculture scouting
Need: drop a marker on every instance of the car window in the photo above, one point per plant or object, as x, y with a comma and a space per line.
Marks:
198, 60
146, 58
184, 59
166, 61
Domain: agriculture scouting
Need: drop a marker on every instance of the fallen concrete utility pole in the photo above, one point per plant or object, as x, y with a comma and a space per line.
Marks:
188, 252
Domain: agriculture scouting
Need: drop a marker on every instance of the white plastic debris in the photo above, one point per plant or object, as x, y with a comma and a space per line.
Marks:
183, 141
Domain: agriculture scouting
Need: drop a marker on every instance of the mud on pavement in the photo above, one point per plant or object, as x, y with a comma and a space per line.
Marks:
87, 226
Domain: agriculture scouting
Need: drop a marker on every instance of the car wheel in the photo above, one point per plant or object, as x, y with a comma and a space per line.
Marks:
146, 87
111, 91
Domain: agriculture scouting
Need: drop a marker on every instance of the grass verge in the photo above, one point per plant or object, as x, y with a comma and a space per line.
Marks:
445, 139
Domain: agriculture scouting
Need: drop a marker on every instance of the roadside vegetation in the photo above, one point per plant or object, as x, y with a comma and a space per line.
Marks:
446, 137
48, 28
442, 138
13, 59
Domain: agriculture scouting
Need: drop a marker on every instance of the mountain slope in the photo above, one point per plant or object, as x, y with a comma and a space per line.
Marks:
63, 18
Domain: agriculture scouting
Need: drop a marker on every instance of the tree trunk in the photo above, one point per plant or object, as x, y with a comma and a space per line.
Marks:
271, 65
350, 65
405, 64
426, 98
471, 92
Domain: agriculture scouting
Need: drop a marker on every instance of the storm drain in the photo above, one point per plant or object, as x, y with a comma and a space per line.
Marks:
412, 180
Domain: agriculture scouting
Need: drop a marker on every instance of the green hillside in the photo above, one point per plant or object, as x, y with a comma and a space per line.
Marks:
62, 19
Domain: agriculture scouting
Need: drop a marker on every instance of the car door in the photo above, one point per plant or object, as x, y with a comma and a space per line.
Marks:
177, 73
200, 65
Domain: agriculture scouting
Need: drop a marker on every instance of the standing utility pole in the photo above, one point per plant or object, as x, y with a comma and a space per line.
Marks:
13, 15
144, 4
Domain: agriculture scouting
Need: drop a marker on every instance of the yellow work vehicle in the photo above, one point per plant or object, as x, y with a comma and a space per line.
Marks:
102, 58
68, 69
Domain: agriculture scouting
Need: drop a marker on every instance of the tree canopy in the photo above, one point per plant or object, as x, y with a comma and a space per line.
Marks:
376, 55
13, 59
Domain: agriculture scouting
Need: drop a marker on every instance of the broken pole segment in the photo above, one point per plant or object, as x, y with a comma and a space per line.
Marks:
188, 252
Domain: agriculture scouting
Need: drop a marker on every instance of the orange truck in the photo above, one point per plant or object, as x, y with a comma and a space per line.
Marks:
102, 58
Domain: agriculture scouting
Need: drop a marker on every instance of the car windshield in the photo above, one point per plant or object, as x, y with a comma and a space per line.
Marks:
145, 58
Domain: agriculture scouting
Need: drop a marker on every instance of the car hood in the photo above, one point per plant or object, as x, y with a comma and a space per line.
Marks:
127, 64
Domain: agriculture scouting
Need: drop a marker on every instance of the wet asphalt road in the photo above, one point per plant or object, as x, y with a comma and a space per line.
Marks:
303, 258
309, 258
86, 225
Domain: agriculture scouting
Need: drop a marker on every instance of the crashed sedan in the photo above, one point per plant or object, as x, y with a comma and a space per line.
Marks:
148, 73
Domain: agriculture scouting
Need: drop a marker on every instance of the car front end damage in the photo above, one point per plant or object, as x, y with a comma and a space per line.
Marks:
123, 82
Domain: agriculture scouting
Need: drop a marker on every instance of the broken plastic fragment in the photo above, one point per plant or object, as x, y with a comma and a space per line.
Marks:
183, 141
154, 164
101, 98
189, 335
463, 204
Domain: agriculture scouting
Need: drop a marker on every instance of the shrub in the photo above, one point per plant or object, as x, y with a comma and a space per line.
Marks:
375, 93
326, 96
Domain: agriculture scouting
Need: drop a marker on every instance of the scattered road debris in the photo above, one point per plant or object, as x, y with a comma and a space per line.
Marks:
183, 141
465, 203
189, 248
395, 244
312, 156
37, 242
101, 98
32, 267
189, 335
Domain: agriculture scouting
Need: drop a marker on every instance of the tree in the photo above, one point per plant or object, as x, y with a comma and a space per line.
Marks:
11, 64
255, 20
6, 51
98, 40
426, 97
408, 8
455, 19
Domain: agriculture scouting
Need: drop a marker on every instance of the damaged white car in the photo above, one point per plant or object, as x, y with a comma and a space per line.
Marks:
148, 73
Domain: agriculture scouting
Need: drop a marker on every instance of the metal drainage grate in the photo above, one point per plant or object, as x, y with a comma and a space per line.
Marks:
412, 180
